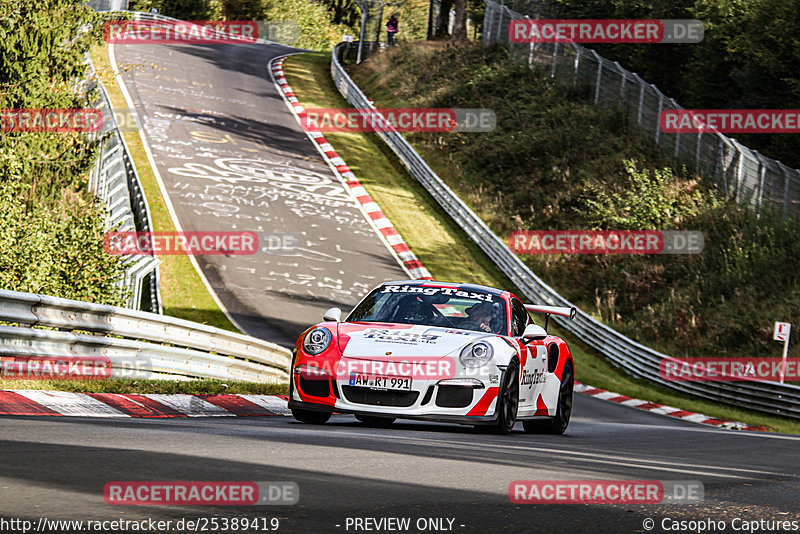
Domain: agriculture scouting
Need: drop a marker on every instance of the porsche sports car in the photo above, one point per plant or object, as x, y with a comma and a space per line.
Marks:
436, 351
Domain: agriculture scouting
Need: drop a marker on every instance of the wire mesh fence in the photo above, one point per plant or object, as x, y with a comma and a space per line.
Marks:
735, 170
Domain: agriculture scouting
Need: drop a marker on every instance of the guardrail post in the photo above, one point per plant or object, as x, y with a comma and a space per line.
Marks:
555, 60
762, 173
599, 76
785, 209
658, 113
500, 21
739, 173
697, 151
641, 100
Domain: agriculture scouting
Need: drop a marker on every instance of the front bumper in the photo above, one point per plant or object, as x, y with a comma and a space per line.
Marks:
428, 400
433, 417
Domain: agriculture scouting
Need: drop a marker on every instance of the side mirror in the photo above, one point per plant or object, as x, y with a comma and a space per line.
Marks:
533, 332
334, 315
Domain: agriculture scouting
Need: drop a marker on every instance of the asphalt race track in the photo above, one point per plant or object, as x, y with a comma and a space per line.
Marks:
233, 158
57, 467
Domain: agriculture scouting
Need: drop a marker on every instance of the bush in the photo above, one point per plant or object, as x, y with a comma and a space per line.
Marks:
51, 226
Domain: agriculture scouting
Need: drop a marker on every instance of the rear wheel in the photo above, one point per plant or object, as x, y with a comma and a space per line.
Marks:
559, 423
310, 416
508, 400
379, 422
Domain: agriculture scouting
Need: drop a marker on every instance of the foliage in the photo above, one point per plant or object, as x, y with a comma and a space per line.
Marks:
647, 199
51, 226
315, 30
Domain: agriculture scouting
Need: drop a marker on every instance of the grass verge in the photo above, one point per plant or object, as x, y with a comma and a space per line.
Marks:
188, 387
450, 255
183, 293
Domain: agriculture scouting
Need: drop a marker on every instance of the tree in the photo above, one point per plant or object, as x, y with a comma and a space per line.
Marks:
443, 21
241, 9
460, 22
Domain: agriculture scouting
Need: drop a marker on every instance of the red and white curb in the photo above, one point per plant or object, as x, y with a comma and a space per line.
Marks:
663, 410
63, 403
372, 210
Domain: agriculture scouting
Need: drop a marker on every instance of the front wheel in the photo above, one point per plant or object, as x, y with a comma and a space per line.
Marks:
558, 424
508, 400
310, 416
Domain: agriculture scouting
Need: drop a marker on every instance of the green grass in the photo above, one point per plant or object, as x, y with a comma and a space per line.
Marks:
451, 256
189, 387
183, 293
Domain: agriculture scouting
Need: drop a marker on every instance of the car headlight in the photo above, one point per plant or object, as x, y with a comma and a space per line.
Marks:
476, 355
316, 341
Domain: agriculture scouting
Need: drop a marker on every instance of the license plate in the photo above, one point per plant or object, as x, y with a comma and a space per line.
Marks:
402, 383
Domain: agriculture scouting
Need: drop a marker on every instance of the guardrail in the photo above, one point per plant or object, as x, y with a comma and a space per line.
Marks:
636, 359
115, 181
138, 344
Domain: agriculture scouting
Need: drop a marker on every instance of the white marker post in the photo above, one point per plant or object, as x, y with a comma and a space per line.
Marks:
781, 333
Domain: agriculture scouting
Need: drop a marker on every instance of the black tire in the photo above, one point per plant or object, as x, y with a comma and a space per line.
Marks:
375, 421
558, 424
310, 416
508, 400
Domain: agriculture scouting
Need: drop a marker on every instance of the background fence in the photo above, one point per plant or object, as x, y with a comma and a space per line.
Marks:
137, 344
734, 169
636, 359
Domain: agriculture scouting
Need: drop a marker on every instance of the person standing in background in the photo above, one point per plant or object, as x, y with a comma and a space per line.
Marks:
391, 29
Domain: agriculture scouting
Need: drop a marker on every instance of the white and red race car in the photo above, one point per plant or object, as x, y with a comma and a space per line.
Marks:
437, 351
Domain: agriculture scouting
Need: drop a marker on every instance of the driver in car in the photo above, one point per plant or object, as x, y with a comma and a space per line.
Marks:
480, 317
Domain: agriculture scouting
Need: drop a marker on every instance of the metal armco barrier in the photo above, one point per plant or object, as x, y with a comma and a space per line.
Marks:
116, 183
638, 360
138, 344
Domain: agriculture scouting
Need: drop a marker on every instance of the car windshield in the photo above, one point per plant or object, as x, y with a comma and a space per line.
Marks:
435, 306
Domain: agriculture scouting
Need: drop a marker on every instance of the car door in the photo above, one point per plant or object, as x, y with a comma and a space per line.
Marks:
533, 359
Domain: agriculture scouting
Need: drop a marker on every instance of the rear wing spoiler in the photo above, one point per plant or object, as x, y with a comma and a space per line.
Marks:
552, 310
